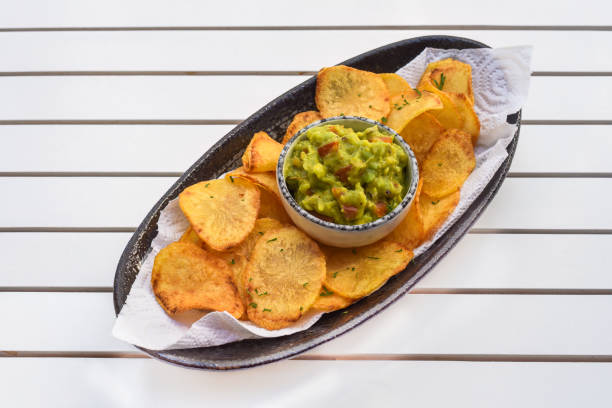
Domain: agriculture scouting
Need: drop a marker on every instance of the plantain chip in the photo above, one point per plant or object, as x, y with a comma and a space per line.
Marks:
328, 301
261, 154
192, 237
186, 277
395, 84
222, 212
262, 225
407, 106
411, 231
471, 124
421, 133
435, 211
355, 273
449, 116
301, 120
457, 77
265, 180
271, 207
448, 164
284, 277
342, 90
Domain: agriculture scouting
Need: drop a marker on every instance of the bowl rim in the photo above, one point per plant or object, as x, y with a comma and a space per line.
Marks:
405, 203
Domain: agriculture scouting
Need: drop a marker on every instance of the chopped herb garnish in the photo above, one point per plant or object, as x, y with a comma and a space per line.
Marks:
345, 312
212, 196
260, 233
374, 257
301, 308
354, 250
335, 274
206, 185
435, 202
370, 106
326, 292
250, 279
342, 114
233, 262
359, 95
253, 305
439, 164
231, 178
305, 284
399, 250
418, 92
282, 250
440, 84
261, 294
272, 240
353, 268
383, 119
267, 310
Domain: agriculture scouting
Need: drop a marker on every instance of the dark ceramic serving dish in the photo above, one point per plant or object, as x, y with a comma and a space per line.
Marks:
225, 155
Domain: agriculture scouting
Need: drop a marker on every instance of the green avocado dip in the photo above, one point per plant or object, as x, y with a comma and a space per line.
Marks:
344, 176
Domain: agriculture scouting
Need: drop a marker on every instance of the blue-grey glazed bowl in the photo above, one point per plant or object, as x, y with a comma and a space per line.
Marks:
340, 235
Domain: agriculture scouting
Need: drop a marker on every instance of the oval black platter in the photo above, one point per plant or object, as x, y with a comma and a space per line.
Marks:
225, 155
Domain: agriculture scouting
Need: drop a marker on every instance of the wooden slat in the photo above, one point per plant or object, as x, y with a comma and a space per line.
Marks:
267, 50
415, 324
479, 261
236, 97
173, 148
60, 259
109, 382
556, 203
72, 13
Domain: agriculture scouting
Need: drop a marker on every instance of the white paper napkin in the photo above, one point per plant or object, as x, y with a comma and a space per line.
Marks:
500, 82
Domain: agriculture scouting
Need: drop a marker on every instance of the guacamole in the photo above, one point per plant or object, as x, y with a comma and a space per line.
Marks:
347, 177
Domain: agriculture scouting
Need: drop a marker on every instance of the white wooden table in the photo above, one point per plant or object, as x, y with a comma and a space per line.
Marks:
104, 104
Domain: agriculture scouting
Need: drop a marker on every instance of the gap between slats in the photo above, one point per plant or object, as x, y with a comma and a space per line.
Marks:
520, 358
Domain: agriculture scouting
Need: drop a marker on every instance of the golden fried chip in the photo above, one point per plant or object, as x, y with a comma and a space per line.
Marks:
284, 277
266, 180
301, 120
448, 164
457, 77
471, 124
409, 105
262, 225
395, 84
261, 154
449, 116
411, 231
187, 277
222, 212
191, 236
421, 133
435, 211
329, 301
271, 207
355, 273
342, 90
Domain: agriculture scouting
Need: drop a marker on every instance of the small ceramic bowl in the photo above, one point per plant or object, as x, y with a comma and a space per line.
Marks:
339, 235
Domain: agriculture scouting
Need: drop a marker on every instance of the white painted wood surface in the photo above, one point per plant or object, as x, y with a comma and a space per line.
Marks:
531, 282
236, 97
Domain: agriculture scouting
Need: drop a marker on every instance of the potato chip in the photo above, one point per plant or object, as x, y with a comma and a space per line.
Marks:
284, 277
435, 211
471, 124
405, 107
300, 121
186, 277
328, 301
192, 237
449, 116
355, 273
421, 133
342, 90
262, 225
266, 180
411, 231
261, 154
448, 164
221, 212
457, 77
271, 207
395, 84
